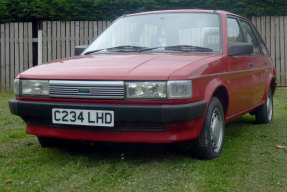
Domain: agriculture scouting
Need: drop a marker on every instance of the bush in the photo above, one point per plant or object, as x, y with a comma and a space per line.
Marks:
35, 10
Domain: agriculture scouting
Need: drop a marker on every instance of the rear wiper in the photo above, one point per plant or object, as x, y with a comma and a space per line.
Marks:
122, 48
184, 48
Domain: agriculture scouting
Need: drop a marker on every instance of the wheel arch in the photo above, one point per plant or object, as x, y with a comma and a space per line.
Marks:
222, 94
272, 85
218, 89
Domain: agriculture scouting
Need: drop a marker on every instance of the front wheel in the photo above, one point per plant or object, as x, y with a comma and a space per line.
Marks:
209, 143
264, 113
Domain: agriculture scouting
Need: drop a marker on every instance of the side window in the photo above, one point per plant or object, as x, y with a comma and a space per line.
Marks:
250, 37
233, 31
264, 49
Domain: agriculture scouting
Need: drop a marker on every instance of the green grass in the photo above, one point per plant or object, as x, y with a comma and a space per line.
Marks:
250, 161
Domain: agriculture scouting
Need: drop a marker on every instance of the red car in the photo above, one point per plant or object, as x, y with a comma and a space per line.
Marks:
153, 77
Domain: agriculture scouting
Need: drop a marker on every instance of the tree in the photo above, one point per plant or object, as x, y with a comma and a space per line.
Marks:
35, 10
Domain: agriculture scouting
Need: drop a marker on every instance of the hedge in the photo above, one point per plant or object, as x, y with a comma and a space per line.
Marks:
35, 10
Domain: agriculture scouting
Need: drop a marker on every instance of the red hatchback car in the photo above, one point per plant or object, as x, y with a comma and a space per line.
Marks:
153, 77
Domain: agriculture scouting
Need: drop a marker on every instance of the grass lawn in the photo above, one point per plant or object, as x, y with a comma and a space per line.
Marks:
250, 160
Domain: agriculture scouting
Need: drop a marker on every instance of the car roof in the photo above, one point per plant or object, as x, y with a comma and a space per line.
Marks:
221, 12
183, 11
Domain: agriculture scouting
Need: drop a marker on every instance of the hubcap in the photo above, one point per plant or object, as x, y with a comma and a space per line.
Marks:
216, 130
269, 107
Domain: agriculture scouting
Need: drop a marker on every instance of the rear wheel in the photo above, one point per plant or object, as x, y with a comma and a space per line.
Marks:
209, 143
264, 113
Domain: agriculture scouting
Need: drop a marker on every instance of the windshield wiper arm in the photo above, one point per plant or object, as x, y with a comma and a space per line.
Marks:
122, 48
185, 48
94, 51
126, 48
149, 48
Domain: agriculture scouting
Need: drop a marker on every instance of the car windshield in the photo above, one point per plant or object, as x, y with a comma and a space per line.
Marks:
180, 32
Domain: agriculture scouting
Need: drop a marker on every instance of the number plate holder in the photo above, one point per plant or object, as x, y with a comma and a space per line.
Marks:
101, 118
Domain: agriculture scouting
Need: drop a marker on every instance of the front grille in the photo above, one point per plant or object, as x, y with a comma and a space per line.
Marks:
87, 89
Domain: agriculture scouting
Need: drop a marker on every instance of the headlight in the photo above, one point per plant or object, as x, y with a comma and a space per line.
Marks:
146, 90
159, 90
35, 87
16, 86
179, 89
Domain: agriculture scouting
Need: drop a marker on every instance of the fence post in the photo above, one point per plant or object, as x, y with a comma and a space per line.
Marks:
40, 47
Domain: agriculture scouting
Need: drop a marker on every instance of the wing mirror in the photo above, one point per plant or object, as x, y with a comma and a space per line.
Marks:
239, 48
80, 49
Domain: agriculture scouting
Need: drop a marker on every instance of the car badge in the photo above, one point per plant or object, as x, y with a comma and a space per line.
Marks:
84, 90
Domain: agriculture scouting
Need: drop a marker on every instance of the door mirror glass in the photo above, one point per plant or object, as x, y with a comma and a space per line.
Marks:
239, 48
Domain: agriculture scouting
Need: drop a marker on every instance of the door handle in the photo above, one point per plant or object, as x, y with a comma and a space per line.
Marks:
251, 64
265, 62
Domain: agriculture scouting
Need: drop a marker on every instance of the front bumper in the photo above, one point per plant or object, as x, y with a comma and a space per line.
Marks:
128, 118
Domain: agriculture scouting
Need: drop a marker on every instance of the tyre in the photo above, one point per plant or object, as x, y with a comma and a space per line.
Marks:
209, 143
48, 141
264, 113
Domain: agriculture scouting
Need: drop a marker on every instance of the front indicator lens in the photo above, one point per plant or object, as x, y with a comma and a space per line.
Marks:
146, 90
16, 86
35, 87
179, 89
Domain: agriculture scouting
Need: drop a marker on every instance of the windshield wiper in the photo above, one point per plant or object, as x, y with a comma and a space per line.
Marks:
122, 48
126, 48
188, 48
131, 48
184, 48
94, 51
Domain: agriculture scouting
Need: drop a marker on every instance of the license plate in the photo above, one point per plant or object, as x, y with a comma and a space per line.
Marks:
83, 117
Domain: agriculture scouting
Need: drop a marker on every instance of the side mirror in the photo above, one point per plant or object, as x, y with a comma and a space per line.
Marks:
80, 49
239, 48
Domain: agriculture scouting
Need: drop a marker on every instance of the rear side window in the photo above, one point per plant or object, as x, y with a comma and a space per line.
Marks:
233, 31
263, 47
264, 50
250, 37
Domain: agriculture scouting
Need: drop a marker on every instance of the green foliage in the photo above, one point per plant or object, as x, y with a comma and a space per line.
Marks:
35, 10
